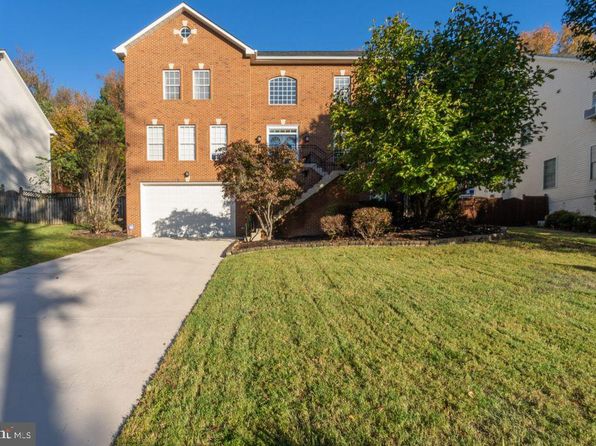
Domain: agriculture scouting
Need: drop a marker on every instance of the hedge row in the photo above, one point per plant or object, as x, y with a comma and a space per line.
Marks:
571, 221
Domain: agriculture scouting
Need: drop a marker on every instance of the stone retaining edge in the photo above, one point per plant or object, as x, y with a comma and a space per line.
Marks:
232, 249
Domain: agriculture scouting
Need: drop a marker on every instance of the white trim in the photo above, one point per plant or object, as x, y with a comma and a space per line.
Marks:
143, 196
306, 57
121, 49
288, 126
51, 130
561, 58
194, 141
284, 76
194, 84
163, 142
212, 128
182, 183
163, 81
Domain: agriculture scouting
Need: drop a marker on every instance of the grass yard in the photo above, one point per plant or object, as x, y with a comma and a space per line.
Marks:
490, 343
24, 244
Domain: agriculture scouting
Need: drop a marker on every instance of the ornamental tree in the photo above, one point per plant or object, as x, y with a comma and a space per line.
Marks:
261, 177
432, 114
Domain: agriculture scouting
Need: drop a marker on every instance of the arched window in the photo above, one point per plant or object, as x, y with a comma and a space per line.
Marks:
282, 91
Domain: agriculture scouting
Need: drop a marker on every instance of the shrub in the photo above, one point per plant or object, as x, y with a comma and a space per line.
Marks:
334, 225
581, 223
371, 222
571, 221
561, 220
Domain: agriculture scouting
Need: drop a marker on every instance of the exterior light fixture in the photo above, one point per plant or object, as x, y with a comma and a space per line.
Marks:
307, 138
258, 139
187, 176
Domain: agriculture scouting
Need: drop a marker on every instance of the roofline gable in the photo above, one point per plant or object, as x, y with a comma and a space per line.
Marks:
4, 55
121, 50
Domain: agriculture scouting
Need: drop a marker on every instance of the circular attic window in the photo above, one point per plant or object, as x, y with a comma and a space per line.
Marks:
185, 32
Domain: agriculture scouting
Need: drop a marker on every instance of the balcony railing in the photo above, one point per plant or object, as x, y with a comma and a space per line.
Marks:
313, 154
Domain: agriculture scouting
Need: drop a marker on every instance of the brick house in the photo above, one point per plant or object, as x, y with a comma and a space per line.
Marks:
192, 87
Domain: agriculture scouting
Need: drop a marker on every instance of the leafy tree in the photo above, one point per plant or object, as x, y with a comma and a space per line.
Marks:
262, 178
37, 80
113, 89
433, 114
580, 17
101, 163
68, 122
541, 40
569, 44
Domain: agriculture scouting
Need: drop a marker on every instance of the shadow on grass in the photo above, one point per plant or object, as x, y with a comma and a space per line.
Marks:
28, 392
587, 268
557, 241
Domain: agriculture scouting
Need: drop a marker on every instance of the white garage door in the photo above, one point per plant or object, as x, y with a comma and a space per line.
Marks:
186, 211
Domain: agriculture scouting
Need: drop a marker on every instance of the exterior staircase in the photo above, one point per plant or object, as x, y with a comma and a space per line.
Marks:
318, 160
318, 186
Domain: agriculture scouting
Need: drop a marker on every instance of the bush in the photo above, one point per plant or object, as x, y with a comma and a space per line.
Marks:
571, 221
561, 220
334, 225
371, 222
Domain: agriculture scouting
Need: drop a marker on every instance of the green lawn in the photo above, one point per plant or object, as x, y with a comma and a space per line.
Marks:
489, 343
24, 244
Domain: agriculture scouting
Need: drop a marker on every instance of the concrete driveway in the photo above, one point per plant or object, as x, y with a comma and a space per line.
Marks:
80, 335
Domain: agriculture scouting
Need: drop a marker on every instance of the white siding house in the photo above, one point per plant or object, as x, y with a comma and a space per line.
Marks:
24, 129
563, 164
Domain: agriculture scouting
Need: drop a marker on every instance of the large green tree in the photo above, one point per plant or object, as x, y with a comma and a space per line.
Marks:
434, 113
580, 16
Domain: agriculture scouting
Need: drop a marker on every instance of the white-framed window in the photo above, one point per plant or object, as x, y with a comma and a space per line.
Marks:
171, 84
279, 135
201, 84
155, 142
218, 139
593, 163
342, 87
549, 179
185, 32
186, 142
282, 91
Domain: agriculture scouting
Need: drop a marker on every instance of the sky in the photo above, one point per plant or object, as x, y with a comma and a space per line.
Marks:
73, 39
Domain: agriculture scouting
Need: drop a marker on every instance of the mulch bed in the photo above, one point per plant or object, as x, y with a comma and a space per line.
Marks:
424, 236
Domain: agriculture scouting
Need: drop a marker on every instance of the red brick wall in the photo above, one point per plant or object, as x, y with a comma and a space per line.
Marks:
239, 97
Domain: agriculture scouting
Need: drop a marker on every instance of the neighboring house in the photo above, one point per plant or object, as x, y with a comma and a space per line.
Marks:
24, 129
563, 164
190, 88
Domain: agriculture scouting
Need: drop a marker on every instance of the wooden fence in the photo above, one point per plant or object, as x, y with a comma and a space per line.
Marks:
33, 207
509, 212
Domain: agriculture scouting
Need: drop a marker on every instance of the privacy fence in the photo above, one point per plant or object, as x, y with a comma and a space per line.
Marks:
509, 212
34, 207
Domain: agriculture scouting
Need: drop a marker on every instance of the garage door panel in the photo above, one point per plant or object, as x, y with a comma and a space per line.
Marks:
186, 211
